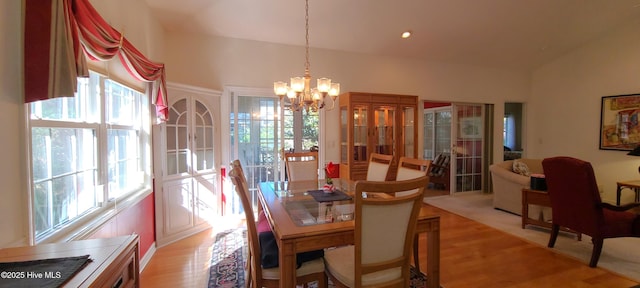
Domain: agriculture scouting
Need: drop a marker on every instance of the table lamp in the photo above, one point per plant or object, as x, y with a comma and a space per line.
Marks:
635, 152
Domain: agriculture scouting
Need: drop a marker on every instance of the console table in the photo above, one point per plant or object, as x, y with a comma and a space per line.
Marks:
632, 184
114, 260
537, 197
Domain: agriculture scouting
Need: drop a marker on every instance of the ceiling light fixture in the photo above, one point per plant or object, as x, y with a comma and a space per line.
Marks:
300, 93
406, 34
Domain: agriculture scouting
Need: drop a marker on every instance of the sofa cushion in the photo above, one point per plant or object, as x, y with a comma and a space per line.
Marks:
521, 168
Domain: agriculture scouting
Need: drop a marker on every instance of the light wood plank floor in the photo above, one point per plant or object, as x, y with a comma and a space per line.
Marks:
472, 255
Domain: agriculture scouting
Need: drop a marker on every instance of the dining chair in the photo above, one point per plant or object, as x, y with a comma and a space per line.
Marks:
301, 165
384, 234
576, 204
411, 168
258, 277
378, 166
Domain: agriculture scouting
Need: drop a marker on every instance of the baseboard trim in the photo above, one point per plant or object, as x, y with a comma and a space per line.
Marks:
147, 256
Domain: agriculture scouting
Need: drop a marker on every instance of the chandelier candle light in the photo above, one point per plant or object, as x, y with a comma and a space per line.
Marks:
300, 94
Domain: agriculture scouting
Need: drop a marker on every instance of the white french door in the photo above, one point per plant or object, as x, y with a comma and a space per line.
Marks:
457, 130
260, 129
467, 147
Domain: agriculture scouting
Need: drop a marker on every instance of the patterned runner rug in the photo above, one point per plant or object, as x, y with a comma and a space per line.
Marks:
228, 258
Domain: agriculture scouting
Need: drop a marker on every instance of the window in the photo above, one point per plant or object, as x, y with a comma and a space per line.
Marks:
87, 152
508, 131
300, 129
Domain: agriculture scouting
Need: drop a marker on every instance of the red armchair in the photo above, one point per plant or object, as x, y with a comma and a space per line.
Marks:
576, 204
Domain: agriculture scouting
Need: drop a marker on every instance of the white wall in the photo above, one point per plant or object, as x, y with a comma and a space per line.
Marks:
564, 109
213, 63
140, 28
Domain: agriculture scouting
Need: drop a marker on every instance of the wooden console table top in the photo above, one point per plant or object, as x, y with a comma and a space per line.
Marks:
114, 260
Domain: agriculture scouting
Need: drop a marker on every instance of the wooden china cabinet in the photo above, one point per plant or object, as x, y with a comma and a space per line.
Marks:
375, 123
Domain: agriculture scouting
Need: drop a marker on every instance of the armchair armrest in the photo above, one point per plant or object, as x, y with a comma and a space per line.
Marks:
619, 208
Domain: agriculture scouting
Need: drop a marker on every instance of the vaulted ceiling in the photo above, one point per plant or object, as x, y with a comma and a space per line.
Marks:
514, 34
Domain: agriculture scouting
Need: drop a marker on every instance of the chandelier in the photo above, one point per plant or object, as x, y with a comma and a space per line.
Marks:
300, 93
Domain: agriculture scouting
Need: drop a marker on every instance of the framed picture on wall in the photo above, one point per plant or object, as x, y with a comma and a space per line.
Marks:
619, 122
470, 127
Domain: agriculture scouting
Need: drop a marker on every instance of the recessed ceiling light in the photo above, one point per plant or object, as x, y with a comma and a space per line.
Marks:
406, 34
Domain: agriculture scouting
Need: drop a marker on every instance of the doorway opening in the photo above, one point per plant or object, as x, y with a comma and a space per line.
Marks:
512, 131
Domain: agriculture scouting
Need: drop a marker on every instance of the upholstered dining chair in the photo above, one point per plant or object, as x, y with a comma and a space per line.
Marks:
378, 166
258, 277
576, 204
301, 165
411, 168
384, 235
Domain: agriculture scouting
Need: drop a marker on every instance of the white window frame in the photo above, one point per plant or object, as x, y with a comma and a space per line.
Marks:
90, 221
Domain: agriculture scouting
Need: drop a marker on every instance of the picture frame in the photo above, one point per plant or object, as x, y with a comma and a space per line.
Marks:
470, 128
620, 122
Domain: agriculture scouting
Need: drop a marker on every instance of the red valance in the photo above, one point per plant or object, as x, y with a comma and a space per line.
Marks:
54, 34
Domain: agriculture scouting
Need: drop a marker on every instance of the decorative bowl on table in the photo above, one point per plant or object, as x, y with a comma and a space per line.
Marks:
328, 187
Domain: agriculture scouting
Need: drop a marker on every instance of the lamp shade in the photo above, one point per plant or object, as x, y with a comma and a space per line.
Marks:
635, 151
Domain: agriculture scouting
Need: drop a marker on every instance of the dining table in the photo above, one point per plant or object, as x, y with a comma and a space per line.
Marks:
303, 218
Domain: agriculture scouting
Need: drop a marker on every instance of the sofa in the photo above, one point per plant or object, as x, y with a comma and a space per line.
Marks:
507, 186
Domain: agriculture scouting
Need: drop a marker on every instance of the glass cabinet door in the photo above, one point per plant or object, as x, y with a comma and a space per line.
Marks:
408, 126
177, 139
384, 130
344, 143
360, 132
203, 138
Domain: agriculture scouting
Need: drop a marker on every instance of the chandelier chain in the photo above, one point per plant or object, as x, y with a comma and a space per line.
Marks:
306, 18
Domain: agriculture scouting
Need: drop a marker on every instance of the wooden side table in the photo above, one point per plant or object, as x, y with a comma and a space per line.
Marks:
632, 184
537, 197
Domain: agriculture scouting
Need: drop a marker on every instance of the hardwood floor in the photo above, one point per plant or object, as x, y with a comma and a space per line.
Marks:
471, 255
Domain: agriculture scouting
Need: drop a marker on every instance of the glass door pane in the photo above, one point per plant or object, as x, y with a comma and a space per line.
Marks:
360, 133
258, 141
177, 139
437, 145
428, 134
384, 130
468, 147
203, 138
408, 118
343, 134
442, 132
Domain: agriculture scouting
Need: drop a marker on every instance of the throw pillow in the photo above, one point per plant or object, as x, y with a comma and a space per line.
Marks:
521, 168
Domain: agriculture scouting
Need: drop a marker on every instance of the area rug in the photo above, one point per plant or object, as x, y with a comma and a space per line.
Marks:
228, 259
228, 262
619, 255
